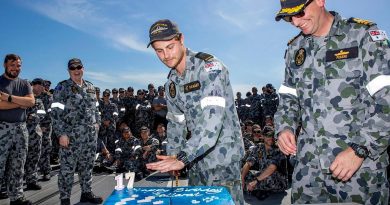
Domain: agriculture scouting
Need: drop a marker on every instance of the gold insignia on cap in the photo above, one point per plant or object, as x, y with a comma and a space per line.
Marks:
300, 57
158, 28
172, 90
292, 10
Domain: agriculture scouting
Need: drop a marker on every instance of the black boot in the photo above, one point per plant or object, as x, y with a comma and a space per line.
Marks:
21, 201
65, 201
33, 186
91, 198
46, 177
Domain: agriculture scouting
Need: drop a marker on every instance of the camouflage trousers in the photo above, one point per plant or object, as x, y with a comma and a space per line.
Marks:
311, 185
44, 160
80, 154
227, 176
107, 135
13, 149
33, 155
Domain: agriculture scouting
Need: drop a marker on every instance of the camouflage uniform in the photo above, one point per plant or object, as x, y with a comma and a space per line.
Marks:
201, 100
151, 155
75, 114
260, 159
46, 126
162, 143
128, 152
269, 103
34, 116
256, 110
129, 109
119, 102
339, 86
143, 115
107, 134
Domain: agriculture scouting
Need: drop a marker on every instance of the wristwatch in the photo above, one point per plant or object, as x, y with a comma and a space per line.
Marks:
9, 98
182, 156
360, 151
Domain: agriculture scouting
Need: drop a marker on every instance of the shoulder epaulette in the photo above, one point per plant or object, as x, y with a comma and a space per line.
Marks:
293, 39
204, 56
361, 21
62, 82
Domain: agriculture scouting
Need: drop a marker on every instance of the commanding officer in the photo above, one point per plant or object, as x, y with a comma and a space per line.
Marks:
200, 100
15, 96
337, 83
76, 120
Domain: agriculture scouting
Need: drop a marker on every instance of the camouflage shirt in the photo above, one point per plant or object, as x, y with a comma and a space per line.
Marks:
74, 106
35, 115
339, 87
201, 101
109, 112
47, 99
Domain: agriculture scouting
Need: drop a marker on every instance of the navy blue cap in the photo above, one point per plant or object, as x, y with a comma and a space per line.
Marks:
163, 30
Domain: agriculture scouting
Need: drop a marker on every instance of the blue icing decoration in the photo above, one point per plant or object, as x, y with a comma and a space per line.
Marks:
210, 195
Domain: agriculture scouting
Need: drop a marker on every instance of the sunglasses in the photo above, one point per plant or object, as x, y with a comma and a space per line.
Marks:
106, 95
76, 68
300, 14
257, 132
114, 92
141, 93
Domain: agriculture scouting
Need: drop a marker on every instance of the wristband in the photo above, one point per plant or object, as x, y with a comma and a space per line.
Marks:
9, 98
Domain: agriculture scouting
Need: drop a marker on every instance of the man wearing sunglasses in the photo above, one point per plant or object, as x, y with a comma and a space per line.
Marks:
76, 121
337, 84
200, 100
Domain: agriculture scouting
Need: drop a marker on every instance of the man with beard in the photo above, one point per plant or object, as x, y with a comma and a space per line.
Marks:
200, 100
15, 96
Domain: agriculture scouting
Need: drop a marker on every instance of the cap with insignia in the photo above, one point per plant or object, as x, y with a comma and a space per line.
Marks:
121, 90
291, 8
163, 30
74, 62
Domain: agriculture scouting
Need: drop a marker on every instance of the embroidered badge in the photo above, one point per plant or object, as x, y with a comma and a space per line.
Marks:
345, 53
300, 57
172, 90
212, 66
192, 86
378, 35
74, 89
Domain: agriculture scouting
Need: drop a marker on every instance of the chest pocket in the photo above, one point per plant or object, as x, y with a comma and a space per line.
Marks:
342, 77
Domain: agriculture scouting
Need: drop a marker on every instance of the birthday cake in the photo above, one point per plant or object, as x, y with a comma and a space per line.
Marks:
210, 195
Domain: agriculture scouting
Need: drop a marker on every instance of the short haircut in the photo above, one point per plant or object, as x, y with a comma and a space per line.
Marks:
11, 57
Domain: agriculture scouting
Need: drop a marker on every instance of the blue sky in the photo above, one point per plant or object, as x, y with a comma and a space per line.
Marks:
110, 36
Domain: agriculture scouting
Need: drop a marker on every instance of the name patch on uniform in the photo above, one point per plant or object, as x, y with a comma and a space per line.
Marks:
345, 53
378, 35
172, 90
300, 57
192, 86
212, 66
